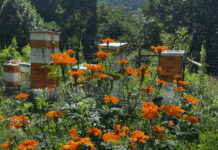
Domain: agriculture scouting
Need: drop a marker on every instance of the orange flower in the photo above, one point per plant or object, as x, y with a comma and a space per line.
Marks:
122, 61
78, 142
180, 82
143, 71
183, 83
61, 59
159, 49
158, 131
28, 145
54, 114
120, 131
100, 76
192, 99
66, 147
95, 68
110, 136
138, 136
19, 121
171, 110
171, 123
130, 71
21, 96
149, 110
102, 55
159, 69
111, 99
6, 145
76, 74
192, 119
16, 124
185, 116
107, 40
161, 82
1, 117
73, 132
147, 90
115, 136
177, 76
180, 89
101, 47
70, 52
95, 131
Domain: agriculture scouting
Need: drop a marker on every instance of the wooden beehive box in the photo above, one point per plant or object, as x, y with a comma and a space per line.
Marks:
171, 61
11, 74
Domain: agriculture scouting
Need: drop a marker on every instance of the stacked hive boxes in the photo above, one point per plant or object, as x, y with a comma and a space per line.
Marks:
12, 74
43, 43
118, 51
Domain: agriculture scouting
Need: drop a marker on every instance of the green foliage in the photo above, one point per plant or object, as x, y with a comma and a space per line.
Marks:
202, 68
18, 17
180, 40
129, 5
47, 9
9, 53
196, 15
79, 26
113, 23
26, 53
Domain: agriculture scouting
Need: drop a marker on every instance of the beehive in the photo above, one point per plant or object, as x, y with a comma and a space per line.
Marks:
11, 74
171, 61
25, 74
43, 43
118, 51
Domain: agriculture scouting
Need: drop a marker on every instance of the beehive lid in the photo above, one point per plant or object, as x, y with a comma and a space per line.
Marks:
173, 53
44, 31
25, 64
12, 63
114, 45
81, 66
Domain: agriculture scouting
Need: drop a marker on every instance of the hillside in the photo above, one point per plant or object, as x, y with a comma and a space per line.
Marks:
130, 5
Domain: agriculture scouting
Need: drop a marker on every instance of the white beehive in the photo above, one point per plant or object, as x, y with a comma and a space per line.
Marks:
25, 74
118, 51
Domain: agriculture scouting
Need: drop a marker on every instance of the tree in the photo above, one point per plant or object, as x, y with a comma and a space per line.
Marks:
47, 9
79, 26
197, 15
17, 18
